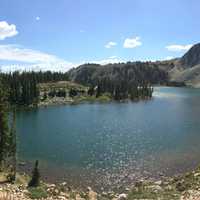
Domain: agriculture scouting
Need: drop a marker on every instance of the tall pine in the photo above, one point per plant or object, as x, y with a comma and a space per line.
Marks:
7, 138
4, 129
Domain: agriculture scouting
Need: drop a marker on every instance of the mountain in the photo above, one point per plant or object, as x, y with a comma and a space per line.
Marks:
179, 71
192, 57
187, 68
132, 72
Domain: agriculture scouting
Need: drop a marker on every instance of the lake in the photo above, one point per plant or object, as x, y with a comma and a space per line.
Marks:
113, 143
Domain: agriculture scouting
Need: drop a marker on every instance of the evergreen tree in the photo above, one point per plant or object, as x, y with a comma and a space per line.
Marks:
13, 147
35, 180
73, 93
4, 129
99, 91
7, 138
44, 96
23, 87
91, 91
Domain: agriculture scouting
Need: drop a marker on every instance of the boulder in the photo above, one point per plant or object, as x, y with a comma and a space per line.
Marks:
122, 196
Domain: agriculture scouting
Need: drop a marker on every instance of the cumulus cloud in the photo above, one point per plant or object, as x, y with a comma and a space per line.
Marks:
37, 67
63, 67
37, 18
32, 58
7, 30
132, 42
110, 45
109, 60
17, 53
177, 48
24, 59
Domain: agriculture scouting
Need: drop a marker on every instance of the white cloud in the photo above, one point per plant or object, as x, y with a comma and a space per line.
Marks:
29, 59
112, 57
169, 58
7, 30
37, 18
37, 67
110, 60
177, 48
82, 31
132, 42
32, 59
17, 53
63, 67
110, 45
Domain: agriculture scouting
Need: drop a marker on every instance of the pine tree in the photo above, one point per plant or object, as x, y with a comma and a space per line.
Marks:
7, 138
4, 129
13, 147
35, 181
91, 91
99, 91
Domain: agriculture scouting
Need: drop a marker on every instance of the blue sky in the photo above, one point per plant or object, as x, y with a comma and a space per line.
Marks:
59, 34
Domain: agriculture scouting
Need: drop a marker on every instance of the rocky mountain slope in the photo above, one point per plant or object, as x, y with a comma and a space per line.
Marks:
192, 57
187, 68
182, 70
132, 72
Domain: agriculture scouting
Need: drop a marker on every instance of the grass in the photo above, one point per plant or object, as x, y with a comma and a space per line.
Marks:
92, 99
61, 85
104, 98
148, 194
179, 184
37, 193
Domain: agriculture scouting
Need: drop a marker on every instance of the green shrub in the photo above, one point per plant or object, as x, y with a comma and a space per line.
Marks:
37, 193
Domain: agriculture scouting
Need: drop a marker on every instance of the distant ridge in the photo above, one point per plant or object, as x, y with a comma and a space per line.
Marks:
187, 68
184, 70
192, 57
132, 72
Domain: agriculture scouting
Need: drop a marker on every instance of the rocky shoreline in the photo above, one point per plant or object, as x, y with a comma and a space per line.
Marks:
185, 187
71, 101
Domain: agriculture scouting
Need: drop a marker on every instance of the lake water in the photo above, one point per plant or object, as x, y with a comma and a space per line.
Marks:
114, 143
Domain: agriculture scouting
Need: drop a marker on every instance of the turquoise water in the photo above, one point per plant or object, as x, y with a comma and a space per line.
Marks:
114, 143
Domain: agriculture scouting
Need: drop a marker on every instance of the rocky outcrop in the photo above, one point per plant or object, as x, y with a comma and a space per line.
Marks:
187, 68
192, 57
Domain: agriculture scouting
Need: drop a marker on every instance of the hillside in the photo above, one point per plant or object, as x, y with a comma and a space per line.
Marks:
192, 57
187, 68
181, 70
132, 72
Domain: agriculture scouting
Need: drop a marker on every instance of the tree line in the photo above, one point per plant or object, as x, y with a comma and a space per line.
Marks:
7, 136
23, 87
8, 142
124, 80
131, 80
122, 90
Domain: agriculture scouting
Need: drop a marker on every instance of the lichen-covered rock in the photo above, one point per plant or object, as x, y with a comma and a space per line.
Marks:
122, 196
91, 194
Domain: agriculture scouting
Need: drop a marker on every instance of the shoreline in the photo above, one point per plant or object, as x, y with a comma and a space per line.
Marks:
101, 180
89, 101
56, 101
184, 187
